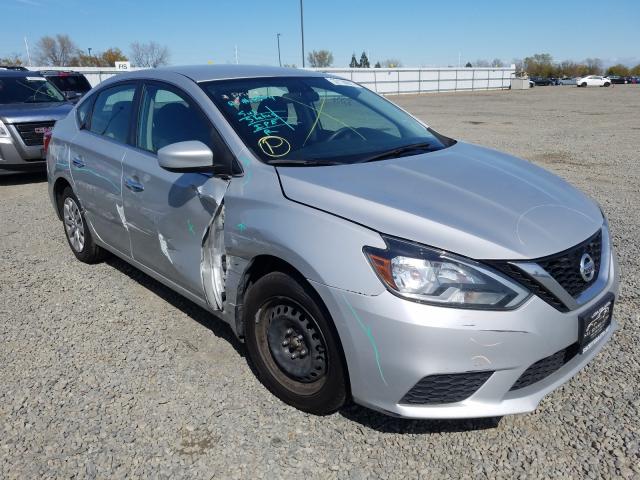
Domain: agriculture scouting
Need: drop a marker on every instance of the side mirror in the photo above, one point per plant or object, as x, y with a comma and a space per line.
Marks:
190, 156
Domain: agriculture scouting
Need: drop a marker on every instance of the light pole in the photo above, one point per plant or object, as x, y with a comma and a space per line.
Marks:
302, 32
279, 59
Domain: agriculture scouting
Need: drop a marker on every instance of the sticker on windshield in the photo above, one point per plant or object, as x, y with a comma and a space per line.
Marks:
36, 79
274, 146
342, 82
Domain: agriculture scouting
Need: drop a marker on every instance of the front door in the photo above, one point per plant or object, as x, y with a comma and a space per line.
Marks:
96, 164
168, 213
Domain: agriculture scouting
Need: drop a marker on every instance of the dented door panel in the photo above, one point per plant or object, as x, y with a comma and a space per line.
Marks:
168, 217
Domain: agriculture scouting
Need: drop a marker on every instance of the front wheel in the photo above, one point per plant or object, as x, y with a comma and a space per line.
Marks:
607, 84
293, 345
583, 84
76, 229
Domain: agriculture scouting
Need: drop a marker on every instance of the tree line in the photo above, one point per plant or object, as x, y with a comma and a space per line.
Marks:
61, 51
543, 65
324, 58
537, 65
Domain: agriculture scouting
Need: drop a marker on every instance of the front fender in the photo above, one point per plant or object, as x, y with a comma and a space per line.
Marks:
324, 248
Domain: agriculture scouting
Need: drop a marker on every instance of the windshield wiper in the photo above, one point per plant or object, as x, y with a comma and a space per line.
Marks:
397, 152
293, 162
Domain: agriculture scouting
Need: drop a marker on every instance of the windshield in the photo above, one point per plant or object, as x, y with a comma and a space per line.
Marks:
315, 120
70, 83
28, 90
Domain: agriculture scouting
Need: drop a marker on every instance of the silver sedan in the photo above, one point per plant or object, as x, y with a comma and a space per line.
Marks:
357, 252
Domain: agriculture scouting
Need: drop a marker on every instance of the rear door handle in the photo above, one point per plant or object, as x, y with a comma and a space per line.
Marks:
78, 161
133, 185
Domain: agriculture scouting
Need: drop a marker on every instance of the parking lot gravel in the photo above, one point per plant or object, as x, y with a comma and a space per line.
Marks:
105, 373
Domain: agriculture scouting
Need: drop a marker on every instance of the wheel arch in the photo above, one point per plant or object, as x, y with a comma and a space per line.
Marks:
258, 267
263, 264
59, 186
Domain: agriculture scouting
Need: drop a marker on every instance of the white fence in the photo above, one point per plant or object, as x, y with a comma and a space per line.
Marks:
394, 81
388, 81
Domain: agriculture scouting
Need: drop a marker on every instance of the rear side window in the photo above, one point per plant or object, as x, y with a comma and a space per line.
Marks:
111, 116
83, 113
71, 83
168, 116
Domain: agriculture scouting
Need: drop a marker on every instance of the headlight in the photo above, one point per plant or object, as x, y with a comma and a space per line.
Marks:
4, 131
436, 277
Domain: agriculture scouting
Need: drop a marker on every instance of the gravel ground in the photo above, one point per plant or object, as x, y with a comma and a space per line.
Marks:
106, 373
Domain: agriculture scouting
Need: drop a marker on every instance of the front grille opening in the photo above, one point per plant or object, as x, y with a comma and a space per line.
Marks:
445, 388
545, 367
564, 267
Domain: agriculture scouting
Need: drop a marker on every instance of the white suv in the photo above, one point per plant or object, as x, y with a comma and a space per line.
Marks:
593, 81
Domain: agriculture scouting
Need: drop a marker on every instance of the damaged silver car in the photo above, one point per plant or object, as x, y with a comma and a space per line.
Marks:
357, 252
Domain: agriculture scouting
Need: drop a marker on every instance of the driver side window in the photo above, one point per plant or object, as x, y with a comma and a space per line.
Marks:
167, 116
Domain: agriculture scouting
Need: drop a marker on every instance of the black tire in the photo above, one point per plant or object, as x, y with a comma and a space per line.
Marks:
277, 311
607, 84
583, 84
86, 251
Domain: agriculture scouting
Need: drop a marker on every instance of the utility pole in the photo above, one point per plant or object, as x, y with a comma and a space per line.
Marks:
26, 44
302, 32
236, 49
279, 59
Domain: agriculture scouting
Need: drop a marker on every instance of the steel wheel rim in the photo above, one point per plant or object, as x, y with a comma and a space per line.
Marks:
299, 361
73, 224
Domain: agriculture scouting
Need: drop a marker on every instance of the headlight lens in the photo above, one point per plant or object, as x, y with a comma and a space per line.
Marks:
433, 276
4, 131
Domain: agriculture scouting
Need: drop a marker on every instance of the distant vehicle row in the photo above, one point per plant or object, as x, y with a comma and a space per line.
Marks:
586, 81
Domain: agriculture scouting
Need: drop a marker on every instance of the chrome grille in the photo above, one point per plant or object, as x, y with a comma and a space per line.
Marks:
32, 133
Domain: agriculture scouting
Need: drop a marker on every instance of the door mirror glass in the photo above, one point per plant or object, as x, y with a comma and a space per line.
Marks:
189, 156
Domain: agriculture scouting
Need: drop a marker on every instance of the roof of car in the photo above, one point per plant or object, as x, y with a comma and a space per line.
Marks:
13, 67
19, 73
64, 73
201, 73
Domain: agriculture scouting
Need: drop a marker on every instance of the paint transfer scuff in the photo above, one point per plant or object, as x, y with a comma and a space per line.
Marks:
164, 247
369, 334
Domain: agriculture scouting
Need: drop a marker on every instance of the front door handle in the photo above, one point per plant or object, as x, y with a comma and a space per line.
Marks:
78, 161
133, 185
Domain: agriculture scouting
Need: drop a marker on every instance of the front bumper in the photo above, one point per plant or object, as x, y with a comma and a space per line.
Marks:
15, 156
390, 344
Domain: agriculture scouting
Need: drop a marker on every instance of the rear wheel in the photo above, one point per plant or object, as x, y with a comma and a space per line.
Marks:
293, 345
76, 230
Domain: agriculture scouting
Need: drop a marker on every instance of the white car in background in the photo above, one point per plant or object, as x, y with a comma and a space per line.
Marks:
593, 81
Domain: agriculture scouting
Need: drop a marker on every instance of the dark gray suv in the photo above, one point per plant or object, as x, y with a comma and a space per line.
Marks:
29, 107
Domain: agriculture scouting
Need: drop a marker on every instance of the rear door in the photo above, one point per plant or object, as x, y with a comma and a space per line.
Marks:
96, 163
168, 212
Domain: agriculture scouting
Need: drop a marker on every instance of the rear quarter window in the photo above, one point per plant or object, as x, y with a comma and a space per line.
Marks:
83, 112
112, 110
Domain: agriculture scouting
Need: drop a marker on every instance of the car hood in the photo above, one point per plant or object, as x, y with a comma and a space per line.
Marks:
466, 199
34, 112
